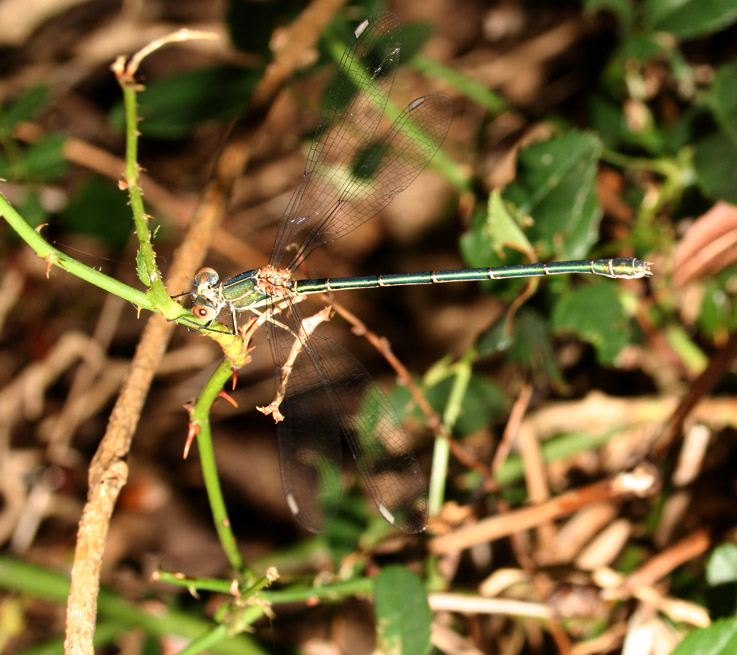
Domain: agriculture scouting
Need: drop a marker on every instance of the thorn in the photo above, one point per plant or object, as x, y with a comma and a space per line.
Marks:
139, 309
235, 378
51, 259
193, 431
223, 394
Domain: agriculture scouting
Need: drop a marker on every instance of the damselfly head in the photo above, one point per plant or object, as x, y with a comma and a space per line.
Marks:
205, 278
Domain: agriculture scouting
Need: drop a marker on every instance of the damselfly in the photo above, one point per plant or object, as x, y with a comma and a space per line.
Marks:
322, 391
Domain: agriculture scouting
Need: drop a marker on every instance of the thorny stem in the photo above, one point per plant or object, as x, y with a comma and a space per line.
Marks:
200, 417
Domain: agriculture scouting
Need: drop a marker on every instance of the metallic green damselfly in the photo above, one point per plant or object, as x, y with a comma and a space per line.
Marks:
322, 391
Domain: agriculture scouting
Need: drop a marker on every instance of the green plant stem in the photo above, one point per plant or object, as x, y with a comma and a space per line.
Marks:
473, 90
441, 449
206, 641
660, 166
157, 298
330, 592
148, 269
22, 577
200, 418
57, 258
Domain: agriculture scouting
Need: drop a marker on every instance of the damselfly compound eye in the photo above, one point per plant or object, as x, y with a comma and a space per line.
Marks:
205, 278
204, 312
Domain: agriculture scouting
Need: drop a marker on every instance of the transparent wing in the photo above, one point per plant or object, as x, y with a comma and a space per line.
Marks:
353, 108
350, 175
329, 394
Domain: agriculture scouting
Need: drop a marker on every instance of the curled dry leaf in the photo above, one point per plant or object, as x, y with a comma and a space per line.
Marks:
708, 246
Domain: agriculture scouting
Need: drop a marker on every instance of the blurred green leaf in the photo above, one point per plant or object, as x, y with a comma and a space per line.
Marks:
252, 23
100, 209
414, 38
556, 185
482, 403
715, 163
495, 238
723, 98
344, 531
502, 229
594, 313
624, 79
555, 449
32, 210
721, 574
683, 345
680, 133
24, 108
477, 243
403, 615
607, 118
720, 638
718, 314
722, 565
622, 9
42, 161
528, 344
641, 47
688, 19
174, 107
484, 243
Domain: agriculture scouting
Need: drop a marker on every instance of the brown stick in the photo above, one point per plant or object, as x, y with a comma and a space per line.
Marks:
712, 374
641, 482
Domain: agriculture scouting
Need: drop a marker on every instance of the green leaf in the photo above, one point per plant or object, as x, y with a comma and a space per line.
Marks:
403, 616
720, 638
529, 343
722, 98
503, 226
688, 19
718, 314
32, 209
715, 163
42, 161
345, 529
595, 314
722, 565
556, 185
414, 38
24, 108
721, 574
481, 404
100, 209
556, 449
607, 118
622, 9
495, 238
252, 22
174, 107
692, 357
